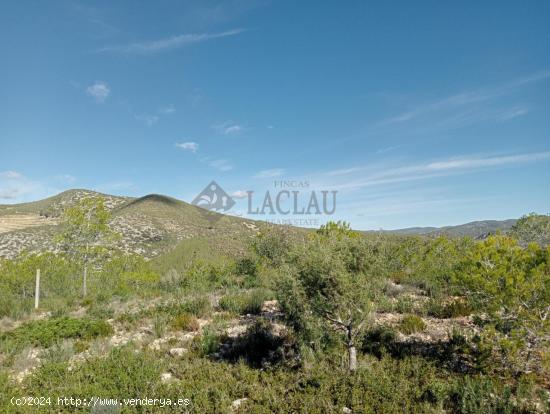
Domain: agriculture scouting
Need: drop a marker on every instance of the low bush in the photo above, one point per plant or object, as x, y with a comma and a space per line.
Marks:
198, 306
47, 332
185, 322
246, 266
245, 303
206, 344
379, 341
411, 324
449, 309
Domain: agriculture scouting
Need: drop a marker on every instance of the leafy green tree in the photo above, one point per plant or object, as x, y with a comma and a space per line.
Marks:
337, 229
532, 228
512, 285
430, 263
334, 274
86, 234
272, 244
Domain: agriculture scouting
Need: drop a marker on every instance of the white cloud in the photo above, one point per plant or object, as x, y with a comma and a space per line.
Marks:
239, 194
12, 175
14, 186
467, 98
99, 91
387, 149
167, 110
275, 172
456, 165
188, 146
115, 186
65, 178
221, 164
512, 113
228, 128
169, 43
147, 119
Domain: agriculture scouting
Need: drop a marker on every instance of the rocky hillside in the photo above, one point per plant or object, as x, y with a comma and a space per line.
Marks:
475, 229
149, 225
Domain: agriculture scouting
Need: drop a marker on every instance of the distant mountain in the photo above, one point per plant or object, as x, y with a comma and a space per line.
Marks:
155, 224
149, 225
475, 229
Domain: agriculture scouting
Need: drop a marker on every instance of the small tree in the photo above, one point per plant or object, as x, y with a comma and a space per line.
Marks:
512, 285
533, 228
86, 233
333, 287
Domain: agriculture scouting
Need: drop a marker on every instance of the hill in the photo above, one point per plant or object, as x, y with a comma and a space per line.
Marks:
149, 225
155, 224
475, 229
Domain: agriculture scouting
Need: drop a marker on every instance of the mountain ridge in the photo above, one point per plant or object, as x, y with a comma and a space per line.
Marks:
155, 223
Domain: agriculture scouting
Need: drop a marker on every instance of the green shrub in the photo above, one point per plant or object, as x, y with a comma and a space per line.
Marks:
246, 266
198, 306
404, 304
450, 309
185, 322
121, 374
159, 325
273, 245
379, 341
207, 343
245, 303
47, 332
232, 303
411, 324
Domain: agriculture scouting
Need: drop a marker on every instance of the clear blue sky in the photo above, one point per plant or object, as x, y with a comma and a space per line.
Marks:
417, 113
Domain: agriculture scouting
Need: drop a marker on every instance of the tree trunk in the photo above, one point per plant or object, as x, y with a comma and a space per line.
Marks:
84, 280
352, 352
352, 358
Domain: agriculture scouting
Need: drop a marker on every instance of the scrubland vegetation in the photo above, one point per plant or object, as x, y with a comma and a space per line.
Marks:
327, 321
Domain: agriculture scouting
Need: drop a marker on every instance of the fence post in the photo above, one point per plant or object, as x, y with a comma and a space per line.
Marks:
37, 290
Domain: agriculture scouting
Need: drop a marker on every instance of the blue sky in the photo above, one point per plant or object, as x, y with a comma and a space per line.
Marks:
417, 113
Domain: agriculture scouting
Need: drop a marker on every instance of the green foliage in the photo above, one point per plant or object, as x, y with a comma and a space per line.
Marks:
124, 274
246, 266
185, 322
86, 233
379, 340
205, 277
334, 278
245, 303
411, 324
207, 343
449, 309
47, 332
532, 228
512, 285
17, 282
199, 306
337, 230
430, 263
273, 245
120, 275
480, 395
123, 373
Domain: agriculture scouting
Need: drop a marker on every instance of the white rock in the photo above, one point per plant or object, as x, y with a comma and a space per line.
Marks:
166, 377
177, 352
237, 403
